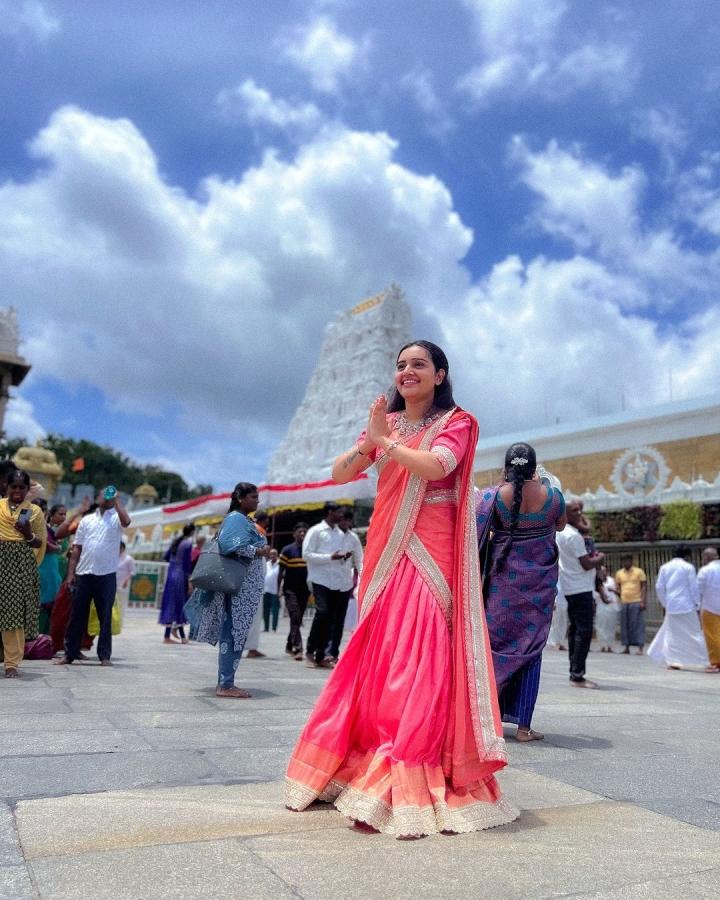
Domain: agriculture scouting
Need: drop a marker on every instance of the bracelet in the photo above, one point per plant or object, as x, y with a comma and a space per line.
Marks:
393, 446
357, 447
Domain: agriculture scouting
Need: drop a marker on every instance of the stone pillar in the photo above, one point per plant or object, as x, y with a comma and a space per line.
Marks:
13, 368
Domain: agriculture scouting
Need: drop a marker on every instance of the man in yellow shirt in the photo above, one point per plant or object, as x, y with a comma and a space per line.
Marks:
632, 585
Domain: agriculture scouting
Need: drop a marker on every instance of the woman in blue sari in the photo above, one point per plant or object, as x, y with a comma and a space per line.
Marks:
517, 521
226, 618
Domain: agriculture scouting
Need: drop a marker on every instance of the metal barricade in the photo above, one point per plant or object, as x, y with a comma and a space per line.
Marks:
147, 584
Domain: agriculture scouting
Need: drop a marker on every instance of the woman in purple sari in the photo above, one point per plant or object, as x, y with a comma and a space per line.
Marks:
517, 521
176, 593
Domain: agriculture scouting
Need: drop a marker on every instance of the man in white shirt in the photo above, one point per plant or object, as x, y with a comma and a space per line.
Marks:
709, 585
680, 641
324, 552
92, 570
271, 601
578, 570
352, 566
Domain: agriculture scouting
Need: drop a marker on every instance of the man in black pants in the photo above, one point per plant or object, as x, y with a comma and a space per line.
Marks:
324, 552
577, 581
92, 570
293, 587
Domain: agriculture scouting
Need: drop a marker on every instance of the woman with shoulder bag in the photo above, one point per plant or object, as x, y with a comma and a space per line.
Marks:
225, 618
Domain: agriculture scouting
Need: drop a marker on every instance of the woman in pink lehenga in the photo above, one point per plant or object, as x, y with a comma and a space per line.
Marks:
406, 736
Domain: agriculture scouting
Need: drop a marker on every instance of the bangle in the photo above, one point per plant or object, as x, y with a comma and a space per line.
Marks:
357, 447
393, 446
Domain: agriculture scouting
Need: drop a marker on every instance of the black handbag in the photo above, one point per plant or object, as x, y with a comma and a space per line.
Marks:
216, 572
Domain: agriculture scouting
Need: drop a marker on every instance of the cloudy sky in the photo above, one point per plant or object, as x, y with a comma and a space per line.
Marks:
189, 190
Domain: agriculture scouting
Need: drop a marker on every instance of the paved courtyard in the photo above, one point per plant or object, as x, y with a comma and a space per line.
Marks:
136, 782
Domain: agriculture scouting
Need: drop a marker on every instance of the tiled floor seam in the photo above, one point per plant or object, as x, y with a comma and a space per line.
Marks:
294, 890
23, 864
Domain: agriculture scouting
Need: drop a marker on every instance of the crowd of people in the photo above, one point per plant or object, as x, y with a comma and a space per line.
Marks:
457, 592
62, 579
58, 574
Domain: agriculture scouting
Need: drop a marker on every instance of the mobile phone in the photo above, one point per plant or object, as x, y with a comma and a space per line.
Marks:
24, 516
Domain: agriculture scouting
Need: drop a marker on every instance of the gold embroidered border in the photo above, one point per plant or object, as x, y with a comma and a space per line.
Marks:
431, 575
414, 820
298, 796
446, 458
407, 515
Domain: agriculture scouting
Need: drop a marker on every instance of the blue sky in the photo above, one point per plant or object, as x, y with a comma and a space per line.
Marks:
190, 190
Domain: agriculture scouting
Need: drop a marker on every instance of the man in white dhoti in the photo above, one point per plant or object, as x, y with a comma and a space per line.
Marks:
709, 584
680, 641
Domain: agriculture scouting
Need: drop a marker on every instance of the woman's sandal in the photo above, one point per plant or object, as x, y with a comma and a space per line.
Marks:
240, 693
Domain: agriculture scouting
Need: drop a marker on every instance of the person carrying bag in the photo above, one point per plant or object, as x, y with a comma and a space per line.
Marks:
228, 582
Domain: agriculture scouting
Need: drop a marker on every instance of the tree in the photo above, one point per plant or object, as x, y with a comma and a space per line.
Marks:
102, 465
8, 448
169, 485
105, 465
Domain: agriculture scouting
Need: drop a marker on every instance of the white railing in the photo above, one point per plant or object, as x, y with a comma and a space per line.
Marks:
649, 557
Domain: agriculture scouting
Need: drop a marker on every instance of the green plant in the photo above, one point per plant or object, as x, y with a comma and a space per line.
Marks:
681, 520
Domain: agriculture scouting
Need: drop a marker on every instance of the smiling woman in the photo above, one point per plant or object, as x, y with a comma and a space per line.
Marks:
406, 737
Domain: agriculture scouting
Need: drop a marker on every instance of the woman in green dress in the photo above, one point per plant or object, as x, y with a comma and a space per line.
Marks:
52, 568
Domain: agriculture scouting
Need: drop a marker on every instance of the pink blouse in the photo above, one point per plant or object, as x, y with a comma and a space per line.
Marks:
450, 447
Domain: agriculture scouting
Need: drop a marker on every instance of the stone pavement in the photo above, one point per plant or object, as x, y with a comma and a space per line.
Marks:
136, 781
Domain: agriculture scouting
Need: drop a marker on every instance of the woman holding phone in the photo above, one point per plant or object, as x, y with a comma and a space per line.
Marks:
22, 547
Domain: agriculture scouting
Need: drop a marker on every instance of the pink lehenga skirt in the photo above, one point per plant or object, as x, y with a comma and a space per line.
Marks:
374, 743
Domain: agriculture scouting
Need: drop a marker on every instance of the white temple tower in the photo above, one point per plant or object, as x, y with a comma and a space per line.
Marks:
356, 364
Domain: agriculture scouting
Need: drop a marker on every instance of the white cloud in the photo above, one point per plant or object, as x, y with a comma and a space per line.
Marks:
664, 129
29, 18
699, 193
548, 341
256, 105
527, 46
608, 65
326, 54
20, 420
208, 309
419, 84
600, 211
505, 25
580, 200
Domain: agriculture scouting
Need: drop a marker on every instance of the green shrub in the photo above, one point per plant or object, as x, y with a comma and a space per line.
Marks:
681, 520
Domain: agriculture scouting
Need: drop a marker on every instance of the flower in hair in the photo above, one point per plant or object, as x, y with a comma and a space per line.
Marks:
518, 461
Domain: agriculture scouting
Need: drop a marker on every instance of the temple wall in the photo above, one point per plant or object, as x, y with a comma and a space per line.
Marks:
688, 459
